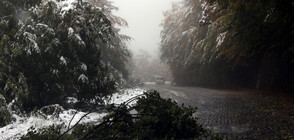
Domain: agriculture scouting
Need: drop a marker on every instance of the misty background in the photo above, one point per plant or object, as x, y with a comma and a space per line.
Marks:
144, 18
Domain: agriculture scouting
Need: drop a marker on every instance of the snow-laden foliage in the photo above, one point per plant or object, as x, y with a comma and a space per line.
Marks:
220, 43
188, 39
184, 36
117, 53
61, 49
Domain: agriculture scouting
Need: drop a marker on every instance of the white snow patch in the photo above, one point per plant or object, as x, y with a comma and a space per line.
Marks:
66, 5
149, 83
71, 100
33, 44
84, 67
55, 71
204, 15
42, 25
83, 78
62, 60
220, 39
79, 39
124, 95
67, 115
70, 31
22, 124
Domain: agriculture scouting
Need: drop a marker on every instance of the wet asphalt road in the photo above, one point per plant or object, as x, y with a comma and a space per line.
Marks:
231, 114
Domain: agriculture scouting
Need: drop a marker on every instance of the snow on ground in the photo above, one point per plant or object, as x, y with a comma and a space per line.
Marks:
153, 83
149, 83
21, 125
119, 98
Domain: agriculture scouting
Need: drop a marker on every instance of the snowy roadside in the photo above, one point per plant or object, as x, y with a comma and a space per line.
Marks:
21, 125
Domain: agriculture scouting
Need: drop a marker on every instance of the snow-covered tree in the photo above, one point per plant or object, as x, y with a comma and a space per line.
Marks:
60, 50
186, 39
116, 53
225, 43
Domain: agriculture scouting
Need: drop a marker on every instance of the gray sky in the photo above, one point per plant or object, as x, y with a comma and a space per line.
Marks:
144, 18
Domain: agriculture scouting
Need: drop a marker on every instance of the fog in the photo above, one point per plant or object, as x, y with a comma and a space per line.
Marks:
144, 18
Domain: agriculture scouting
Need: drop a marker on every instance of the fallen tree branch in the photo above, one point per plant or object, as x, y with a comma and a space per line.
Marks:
91, 111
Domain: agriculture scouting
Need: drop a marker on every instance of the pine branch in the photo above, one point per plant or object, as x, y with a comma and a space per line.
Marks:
75, 124
72, 119
91, 111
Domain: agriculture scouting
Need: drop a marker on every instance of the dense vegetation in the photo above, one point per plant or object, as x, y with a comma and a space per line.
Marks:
54, 52
230, 43
154, 118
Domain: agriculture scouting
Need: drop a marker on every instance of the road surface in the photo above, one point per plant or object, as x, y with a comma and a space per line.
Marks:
235, 114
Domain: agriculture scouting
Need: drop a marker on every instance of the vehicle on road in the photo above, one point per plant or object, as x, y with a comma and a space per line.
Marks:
159, 80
